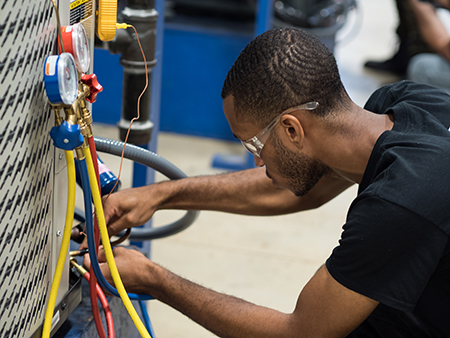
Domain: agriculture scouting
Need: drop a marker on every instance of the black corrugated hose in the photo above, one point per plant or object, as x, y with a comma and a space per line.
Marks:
152, 160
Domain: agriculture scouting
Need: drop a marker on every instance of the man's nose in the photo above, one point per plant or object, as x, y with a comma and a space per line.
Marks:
258, 161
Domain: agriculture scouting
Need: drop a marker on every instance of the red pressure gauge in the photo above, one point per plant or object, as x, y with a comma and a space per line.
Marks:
75, 42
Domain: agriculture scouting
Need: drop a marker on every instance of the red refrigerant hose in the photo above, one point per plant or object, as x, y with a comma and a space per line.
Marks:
108, 314
101, 296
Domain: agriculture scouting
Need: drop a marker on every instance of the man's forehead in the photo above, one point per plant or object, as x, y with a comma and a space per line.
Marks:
228, 104
241, 130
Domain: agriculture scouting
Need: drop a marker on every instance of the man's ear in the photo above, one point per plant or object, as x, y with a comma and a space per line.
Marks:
293, 128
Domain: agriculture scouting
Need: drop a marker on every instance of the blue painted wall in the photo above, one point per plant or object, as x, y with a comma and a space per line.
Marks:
194, 67
107, 108
195, 63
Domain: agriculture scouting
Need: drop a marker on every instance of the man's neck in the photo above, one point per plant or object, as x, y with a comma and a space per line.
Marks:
347, 149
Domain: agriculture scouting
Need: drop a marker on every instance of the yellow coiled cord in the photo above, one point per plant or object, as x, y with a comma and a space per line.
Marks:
107, 247
64, 245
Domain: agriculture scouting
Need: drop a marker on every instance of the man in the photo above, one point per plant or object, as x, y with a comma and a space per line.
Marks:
410, 42
424, 51
389, 276
431, 68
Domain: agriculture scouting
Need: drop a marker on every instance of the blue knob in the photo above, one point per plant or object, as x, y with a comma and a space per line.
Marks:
67, 136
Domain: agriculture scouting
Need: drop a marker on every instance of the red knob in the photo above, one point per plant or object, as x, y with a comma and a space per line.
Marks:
94, 87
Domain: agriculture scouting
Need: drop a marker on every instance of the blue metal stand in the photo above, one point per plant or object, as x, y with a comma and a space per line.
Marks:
141, 174
233, 162
264, 13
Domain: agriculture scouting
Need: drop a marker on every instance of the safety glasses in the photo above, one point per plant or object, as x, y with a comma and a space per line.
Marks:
255, 144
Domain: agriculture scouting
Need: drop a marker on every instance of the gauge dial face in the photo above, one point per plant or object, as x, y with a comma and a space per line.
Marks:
67, 78
80, 48
61, 79
76, 43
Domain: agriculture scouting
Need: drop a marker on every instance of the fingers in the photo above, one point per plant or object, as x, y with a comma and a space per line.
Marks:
101, 258
106, 210
114, 218
84, 244
106, 273
102, 264
117, 252
131, 265
101, 255
87, 262
116, 225
127, 208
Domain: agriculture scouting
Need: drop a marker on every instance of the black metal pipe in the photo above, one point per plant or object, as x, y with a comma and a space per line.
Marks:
141, 4
143, 16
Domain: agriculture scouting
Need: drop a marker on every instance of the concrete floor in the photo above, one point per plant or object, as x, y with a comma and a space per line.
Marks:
265, 260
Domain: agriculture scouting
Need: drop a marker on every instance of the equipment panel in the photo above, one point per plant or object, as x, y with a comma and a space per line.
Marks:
26, 166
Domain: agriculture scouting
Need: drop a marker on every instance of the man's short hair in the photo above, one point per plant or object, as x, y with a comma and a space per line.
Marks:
283, 68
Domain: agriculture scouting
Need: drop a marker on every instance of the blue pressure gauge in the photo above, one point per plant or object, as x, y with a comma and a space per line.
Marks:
61, 79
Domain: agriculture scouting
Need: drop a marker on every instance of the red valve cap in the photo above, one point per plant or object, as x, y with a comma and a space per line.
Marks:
94, 87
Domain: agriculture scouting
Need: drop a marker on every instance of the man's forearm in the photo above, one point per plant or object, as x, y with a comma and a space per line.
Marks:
247, 192
324, 308
432, 29
225, 316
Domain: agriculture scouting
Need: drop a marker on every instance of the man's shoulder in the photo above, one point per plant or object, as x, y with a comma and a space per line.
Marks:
416, 179
417, 94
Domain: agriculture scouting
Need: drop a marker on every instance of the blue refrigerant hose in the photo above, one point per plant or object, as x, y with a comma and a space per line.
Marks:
146, 317
90, 237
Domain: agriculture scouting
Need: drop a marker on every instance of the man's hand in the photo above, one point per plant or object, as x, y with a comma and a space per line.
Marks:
325, 308
129, 208
135, 269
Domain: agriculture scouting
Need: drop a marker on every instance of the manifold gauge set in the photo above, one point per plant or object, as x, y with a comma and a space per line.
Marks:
61, 71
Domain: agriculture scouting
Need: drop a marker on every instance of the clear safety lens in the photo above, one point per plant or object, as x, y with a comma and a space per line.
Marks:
253, 146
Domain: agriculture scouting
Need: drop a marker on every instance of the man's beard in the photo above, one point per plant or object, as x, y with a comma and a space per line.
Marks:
301, 171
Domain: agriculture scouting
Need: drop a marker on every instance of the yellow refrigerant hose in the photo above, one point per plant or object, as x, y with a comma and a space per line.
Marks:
107, 247
64, 245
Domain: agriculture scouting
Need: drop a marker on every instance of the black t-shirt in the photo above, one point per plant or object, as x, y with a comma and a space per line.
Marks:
395, 244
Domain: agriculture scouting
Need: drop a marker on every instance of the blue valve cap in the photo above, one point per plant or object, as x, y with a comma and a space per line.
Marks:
67, 136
